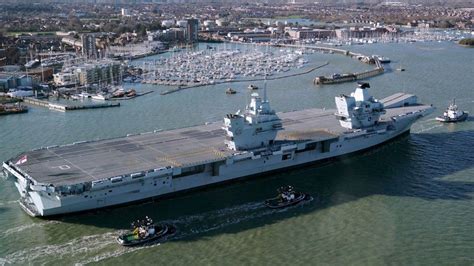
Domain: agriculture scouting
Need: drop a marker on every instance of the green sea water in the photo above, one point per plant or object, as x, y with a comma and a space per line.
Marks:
409, 202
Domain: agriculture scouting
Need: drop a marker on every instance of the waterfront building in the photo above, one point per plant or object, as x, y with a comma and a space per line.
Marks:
65, 78
360, 32
299, 34
88, 46
172, 35
7, 82
192, 29
97, 72
15, 80
250, 36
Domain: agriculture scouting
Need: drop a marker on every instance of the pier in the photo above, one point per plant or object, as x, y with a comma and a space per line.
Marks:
63, 107
336, 78
138, 94
347, 77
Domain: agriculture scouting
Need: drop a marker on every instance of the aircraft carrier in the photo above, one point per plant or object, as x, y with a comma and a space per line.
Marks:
96, 174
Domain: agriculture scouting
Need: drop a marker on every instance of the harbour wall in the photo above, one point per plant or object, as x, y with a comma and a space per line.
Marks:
64, 107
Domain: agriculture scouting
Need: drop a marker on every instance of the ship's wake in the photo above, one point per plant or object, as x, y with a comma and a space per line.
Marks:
95, 248
195, 225
71, 249
426, 125
22, 228
5, 203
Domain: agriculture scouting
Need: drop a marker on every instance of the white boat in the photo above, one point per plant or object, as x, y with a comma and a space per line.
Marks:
100, 97
382, 59
84, 95
453, 114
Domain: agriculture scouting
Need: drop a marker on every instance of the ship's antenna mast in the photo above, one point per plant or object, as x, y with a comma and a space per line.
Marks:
265, 88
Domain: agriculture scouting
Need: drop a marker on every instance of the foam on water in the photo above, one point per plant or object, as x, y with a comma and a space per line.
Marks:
239, 213
113, 254
69, 249
5, 203
22, 228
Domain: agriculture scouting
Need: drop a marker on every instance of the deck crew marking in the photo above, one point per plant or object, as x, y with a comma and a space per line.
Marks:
71, 163
62, 167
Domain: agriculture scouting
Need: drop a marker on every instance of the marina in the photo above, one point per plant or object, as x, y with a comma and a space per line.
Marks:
207, 67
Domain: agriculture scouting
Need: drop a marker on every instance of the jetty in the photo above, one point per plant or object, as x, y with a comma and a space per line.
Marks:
64, 107
347, 77
137, 94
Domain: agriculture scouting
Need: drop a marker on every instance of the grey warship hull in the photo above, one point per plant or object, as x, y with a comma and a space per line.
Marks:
96, 174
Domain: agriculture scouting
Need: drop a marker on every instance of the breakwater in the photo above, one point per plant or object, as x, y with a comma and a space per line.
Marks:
65, 107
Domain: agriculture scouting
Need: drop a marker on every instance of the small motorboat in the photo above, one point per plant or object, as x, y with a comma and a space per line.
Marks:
452, 114
287, 196
252, 87
230, 91
145, 231
382, 59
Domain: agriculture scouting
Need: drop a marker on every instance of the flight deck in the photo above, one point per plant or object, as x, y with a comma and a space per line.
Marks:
96, 160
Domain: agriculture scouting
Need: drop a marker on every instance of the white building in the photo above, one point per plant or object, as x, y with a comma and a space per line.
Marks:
66, 78
125, 12
182, 23
167, 23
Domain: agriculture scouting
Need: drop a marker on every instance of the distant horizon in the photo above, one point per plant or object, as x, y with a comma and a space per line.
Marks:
467, 3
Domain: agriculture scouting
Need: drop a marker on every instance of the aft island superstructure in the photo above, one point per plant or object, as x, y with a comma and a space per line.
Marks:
96, 174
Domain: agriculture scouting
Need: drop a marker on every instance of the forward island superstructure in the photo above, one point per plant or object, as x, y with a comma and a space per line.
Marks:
96, 174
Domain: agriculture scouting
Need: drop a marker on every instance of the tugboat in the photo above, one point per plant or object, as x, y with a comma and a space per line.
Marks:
452, 114
287, 196
145, 231
230, 91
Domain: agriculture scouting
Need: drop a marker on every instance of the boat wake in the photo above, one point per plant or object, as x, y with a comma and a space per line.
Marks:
21, 228
113, 254
71, 249
427, 125
219, 219
193, 225
5, 203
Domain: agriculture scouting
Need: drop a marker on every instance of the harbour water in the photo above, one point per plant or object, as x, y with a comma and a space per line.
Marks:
408, 202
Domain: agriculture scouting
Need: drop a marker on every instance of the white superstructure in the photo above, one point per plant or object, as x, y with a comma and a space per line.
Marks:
359, 110
256, 127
